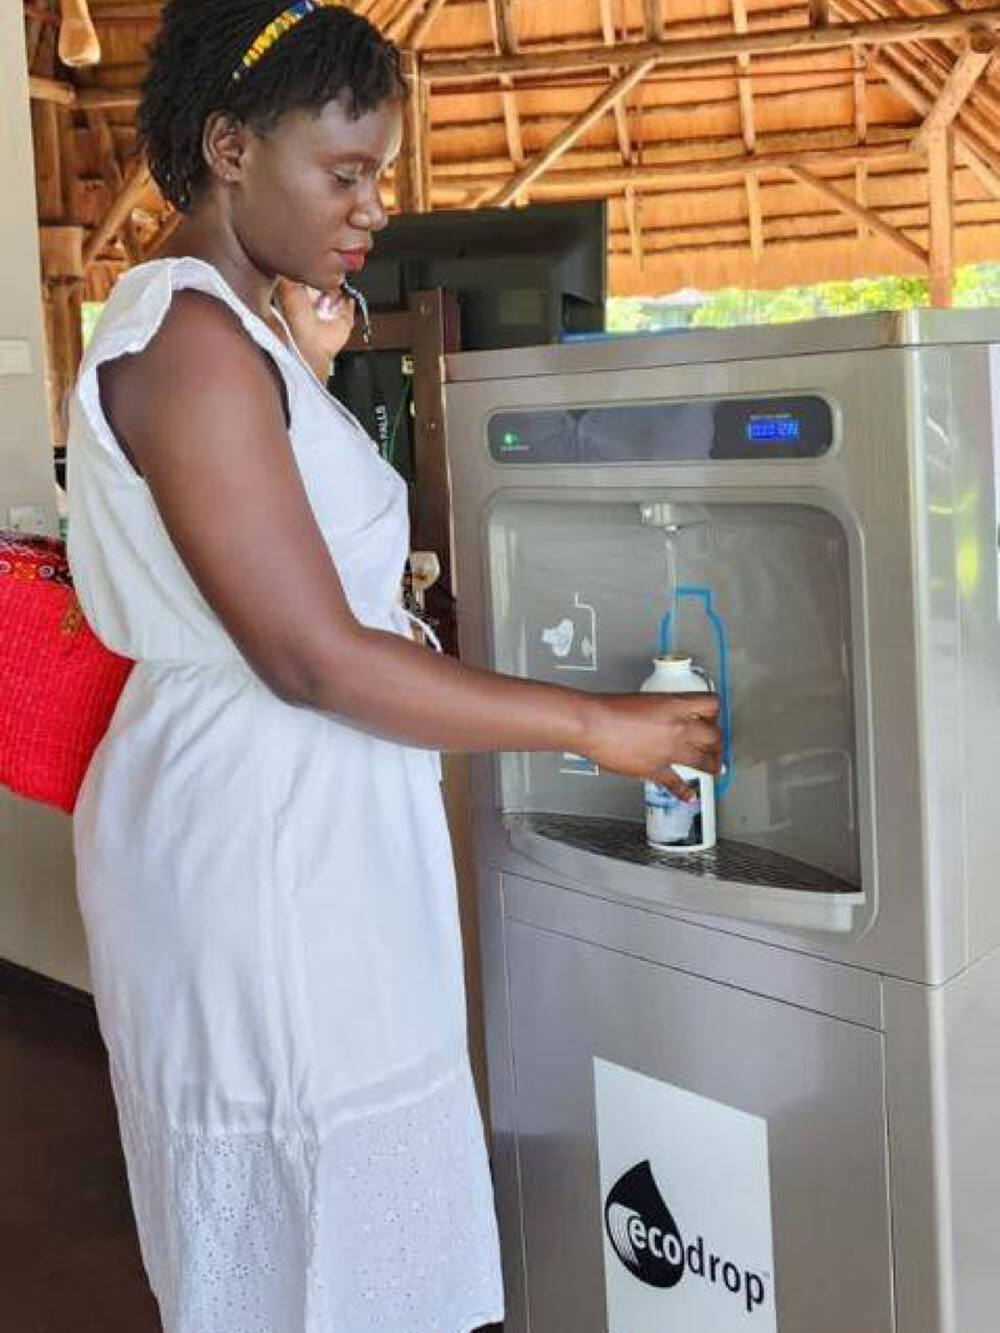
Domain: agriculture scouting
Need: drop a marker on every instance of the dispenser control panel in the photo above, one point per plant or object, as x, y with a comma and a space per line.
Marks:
664, 432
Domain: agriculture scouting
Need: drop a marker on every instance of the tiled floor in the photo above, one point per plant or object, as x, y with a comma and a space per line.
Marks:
69, 1259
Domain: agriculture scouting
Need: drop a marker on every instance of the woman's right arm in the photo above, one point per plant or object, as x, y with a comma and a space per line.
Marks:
200, 412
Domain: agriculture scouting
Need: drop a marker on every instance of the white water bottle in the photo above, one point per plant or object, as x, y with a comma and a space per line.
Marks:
674, 825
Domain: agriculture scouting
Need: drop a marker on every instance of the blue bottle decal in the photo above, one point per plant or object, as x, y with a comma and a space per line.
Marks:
704, 596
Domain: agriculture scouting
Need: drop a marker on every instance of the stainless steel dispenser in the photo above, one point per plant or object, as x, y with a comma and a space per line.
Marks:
758, 1087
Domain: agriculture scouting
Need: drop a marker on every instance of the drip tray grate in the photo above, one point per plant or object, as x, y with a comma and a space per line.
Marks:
730, 862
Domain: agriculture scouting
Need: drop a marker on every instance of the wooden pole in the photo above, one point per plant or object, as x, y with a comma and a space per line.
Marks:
412, 184
957, 87
857, 211
48, 162
134, 182
940, 178
533, 169
876, 32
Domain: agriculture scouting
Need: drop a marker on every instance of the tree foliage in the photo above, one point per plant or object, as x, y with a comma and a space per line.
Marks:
975, 285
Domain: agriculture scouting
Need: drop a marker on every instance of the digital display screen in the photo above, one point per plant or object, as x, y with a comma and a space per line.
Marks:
773, 428
666, 431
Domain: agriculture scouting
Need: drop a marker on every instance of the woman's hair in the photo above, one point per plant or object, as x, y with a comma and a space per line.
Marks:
331, 53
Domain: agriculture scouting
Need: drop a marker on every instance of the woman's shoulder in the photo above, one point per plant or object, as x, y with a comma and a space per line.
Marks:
188, 290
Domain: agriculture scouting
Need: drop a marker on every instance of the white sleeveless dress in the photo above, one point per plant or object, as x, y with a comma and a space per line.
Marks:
271, 918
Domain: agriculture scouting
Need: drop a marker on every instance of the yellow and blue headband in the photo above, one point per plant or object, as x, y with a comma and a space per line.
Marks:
279, 25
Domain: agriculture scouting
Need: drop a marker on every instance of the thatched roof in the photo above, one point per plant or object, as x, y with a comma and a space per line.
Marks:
759, 145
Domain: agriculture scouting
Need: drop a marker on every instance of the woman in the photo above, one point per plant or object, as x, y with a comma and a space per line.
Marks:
263, 863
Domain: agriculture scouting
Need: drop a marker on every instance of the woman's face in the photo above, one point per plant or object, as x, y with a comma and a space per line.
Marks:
306, 202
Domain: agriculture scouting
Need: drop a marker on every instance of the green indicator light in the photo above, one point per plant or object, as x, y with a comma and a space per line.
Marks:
510, 438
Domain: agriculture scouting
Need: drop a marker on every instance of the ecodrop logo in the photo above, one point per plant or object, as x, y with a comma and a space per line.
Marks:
649, 1243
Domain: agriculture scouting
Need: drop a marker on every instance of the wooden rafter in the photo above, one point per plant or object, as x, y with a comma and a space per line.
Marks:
940, 197
633, 220
579, 125
652, 13
505, 42
857, 211
860, 81
928, 64
51, 90
836, 36
825, 223
749, 130
967, 146
631, 203
135, 181
959, 84
403, 19
620, 112
819, 13
111, 172
588, 181
421, 28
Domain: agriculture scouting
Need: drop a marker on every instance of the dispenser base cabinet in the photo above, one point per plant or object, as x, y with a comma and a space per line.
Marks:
777, 1140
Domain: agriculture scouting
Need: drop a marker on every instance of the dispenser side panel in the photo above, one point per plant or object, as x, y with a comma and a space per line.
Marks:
975, 556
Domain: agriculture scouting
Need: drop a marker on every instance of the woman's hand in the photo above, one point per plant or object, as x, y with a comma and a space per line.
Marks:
642, 735
320, 322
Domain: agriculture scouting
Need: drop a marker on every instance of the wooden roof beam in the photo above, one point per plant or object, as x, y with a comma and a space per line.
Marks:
857, 211
929, 62
505, 41
51, 90
836, 36
967, 146
649, 176
633, 209
755, 219
630, 202
959, 84
860, 80
135, 181
400, 23
111, 172
620, 110
421, 29
652, 13
568, 136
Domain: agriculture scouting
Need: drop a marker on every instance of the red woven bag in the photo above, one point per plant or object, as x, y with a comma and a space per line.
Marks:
58, 683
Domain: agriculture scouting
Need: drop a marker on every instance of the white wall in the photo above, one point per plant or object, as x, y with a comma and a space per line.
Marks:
39, 924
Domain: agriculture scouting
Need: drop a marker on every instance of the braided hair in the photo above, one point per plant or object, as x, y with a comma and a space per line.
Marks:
331, 53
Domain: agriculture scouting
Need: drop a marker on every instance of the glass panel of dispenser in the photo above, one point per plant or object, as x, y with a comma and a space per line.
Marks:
584, 593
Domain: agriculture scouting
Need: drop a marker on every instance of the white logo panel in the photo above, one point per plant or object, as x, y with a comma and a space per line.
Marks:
685, 1209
